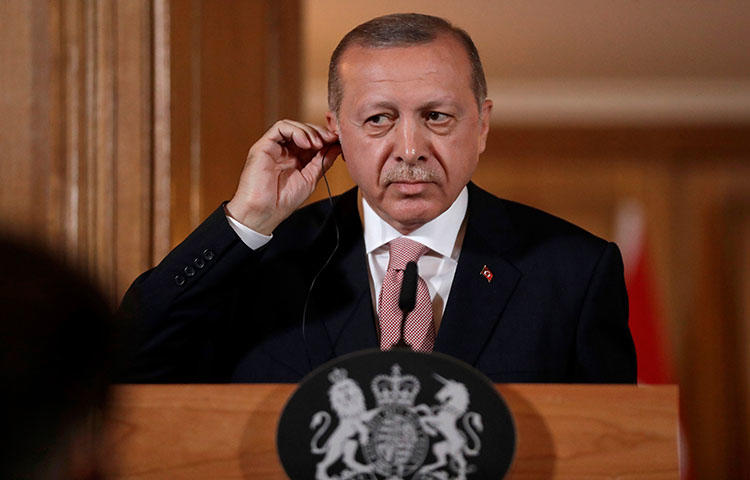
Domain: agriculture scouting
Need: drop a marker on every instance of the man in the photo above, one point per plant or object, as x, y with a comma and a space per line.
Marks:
262, 292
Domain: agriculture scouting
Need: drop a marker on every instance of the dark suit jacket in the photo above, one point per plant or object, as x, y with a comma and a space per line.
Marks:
214, 310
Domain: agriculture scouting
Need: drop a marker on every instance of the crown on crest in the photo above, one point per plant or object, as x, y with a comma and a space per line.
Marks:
395, 388
338, 375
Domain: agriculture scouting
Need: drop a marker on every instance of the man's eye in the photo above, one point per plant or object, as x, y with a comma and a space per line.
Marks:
437, 117
379, 119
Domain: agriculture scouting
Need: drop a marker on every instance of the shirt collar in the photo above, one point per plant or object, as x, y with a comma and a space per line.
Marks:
439, 234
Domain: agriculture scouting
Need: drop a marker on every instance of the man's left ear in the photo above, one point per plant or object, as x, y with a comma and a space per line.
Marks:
484, 123
332, 122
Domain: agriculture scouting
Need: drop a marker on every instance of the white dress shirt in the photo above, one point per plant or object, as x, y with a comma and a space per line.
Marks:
249, 237
442, 235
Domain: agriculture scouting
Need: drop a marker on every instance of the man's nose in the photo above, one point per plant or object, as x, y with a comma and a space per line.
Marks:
411, 144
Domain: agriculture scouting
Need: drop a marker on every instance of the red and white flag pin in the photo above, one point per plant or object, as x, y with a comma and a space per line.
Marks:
486, 273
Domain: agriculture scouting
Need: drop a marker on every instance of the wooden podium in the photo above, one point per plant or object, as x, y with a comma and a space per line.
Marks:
228, 431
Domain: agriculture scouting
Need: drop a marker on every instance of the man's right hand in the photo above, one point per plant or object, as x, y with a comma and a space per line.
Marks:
281, 172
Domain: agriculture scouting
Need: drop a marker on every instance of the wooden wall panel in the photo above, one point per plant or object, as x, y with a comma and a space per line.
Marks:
26, 133
76, 119
715, 380
74, 75
233, 110
183, 56
110, 91
234, 70
133, 155
125, 123
162, 145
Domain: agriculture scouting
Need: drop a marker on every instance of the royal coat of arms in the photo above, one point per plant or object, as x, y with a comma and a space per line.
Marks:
395, 439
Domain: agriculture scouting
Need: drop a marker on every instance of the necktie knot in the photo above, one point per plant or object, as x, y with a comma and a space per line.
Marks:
403, 251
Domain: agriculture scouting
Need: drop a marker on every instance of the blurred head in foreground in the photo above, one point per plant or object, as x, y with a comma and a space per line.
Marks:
56, 363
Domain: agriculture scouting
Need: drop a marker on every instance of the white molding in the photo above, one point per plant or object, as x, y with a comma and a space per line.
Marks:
598, 101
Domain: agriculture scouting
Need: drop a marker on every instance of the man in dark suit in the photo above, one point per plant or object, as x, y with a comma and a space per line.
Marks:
264, 292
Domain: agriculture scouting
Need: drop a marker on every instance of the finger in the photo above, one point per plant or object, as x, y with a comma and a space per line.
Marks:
284, 131
327, 135
313, 135
314, 131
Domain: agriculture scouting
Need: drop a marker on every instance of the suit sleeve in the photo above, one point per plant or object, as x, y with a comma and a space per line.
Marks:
605, 352
177, 312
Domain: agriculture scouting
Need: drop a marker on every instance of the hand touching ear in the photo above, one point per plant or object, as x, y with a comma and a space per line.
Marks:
281, 171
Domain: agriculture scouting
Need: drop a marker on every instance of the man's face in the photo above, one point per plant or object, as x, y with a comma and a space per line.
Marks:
409, 126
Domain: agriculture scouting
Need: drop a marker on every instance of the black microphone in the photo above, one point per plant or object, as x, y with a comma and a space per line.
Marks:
406, 301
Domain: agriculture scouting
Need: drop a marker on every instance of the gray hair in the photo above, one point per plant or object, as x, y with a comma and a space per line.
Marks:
400, 30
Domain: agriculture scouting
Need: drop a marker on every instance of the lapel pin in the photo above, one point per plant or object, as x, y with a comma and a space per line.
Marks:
486, 273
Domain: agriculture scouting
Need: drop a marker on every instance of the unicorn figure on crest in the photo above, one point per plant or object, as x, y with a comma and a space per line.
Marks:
443, 419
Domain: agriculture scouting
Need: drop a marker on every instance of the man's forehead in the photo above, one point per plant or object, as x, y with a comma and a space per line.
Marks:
428, 72
441, 43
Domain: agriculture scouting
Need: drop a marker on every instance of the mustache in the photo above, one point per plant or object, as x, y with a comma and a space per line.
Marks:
409, 172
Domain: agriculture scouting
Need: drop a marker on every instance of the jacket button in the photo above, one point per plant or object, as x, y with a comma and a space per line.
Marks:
179, 280
189, 271
208, 254
198, 262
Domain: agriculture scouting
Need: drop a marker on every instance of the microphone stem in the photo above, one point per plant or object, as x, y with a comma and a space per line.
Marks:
402, 335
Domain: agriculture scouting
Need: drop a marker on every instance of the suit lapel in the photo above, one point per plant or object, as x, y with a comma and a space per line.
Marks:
341, 313
476, 302
341, 319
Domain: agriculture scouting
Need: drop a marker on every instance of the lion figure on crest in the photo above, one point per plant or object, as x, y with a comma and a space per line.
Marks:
348, 401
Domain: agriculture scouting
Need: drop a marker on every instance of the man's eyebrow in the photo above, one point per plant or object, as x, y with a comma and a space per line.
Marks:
379, 104
440, 103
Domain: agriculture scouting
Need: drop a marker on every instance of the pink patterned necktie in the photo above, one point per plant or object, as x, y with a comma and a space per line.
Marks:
419, 329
